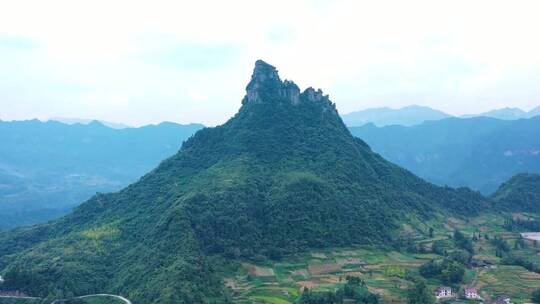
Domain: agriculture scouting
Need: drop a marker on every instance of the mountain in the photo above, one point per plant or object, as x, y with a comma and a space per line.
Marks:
520, 193
72, 121
282, 176
407, 116
534, 112
505, 113
46, 168
415, 115
480, 152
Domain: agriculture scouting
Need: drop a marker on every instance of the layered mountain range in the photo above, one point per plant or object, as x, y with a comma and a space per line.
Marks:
480, 152
414, 115
47, 168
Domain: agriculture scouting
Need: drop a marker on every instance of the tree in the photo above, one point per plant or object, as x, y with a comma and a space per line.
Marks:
419, 293
460, 256
439, 247
452, 272
449, 271
463, 242
354, 291
535, 296
430, 269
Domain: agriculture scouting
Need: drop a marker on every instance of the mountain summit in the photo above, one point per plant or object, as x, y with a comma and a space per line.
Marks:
284, 175
265, 85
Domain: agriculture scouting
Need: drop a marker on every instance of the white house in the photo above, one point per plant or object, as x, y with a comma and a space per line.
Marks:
443, 292
471, 293
504, 299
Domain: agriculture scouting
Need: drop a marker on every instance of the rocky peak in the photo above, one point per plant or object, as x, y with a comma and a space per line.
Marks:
265, 85
313, 95
264, 72
265, 78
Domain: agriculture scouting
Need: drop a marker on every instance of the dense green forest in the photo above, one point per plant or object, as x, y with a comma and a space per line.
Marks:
520, 193
282, 176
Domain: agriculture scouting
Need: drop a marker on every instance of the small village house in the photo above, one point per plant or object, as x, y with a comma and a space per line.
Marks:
471, 293
481, 264
503, 299
443, 292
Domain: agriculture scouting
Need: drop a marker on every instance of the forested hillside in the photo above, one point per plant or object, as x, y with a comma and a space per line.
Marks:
520, 194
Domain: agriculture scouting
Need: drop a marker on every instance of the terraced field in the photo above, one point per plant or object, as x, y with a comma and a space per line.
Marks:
383, 270
513, 280
322, 271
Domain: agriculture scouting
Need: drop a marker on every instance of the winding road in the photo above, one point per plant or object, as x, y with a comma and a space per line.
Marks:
126, 301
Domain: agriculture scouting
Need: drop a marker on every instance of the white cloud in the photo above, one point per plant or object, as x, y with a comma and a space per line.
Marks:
139, 61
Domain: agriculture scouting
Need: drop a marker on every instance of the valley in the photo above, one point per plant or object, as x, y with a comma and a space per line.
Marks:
390, 273
48, 168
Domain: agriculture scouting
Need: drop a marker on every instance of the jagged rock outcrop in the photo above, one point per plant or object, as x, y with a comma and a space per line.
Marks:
265, 80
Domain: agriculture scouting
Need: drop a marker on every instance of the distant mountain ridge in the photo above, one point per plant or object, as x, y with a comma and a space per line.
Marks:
414, 115
46, 168
407, 116
508, 113
82, 121
479, 152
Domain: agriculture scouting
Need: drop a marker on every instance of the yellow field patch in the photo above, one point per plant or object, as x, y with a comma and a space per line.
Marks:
100, 232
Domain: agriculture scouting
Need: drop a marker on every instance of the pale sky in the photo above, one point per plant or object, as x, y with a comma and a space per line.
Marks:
140, 62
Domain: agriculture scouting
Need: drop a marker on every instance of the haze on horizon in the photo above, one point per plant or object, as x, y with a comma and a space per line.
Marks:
138, 63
